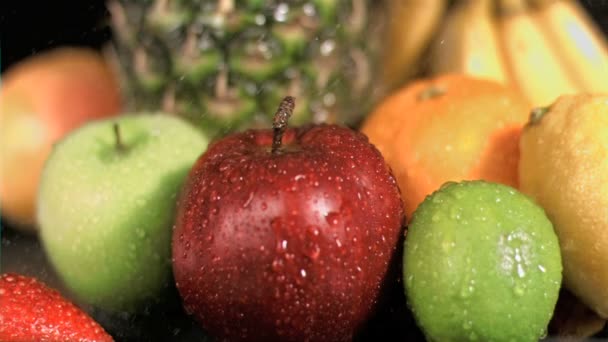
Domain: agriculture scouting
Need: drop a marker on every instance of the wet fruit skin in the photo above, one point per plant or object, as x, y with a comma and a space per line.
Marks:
448, 128
564, 166
106, 209
31, 311
292, 246
481, 262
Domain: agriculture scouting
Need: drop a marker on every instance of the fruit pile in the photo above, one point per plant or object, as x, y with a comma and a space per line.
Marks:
223, 165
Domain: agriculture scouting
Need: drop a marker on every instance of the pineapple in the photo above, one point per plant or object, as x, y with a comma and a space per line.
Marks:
225, 64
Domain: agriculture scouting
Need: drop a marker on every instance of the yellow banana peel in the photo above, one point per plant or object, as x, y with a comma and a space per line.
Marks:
580, 44
468, 43
533, 63
412, 26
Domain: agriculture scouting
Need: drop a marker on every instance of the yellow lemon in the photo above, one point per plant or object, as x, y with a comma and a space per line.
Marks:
564, 166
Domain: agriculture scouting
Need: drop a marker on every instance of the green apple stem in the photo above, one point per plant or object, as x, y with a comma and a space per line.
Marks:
119, 144
279, 123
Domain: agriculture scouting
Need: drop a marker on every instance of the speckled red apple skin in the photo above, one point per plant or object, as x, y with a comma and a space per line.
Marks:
31, 311
293, 246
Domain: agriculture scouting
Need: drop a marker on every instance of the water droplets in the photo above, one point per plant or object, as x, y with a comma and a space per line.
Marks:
140, 233
520, 271
516, 255
447, 245
248, 200
277, 265
467, 287
437, 198
519, 290
281, 12
332, 218
467, 325
311, 247
327, 47
455, 213
282, 246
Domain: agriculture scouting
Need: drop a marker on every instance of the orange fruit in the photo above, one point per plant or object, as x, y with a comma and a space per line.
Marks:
448, 128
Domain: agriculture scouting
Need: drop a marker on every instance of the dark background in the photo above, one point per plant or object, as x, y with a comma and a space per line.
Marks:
29, 26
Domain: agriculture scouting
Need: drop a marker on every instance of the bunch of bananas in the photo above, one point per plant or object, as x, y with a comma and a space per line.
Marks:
545, 48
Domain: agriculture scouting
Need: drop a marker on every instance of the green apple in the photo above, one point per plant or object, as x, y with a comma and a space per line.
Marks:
106, 206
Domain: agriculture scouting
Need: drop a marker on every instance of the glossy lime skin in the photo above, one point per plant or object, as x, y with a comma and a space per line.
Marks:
106, 214
481, 262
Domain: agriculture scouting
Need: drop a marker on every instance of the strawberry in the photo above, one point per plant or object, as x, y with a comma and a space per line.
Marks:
31, 311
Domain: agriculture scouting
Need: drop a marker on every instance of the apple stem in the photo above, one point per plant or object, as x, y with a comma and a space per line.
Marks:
119, 144
279, 123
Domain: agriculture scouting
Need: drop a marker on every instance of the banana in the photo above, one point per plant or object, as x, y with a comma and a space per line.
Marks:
582, 47
468, 43
532, 62
411, 27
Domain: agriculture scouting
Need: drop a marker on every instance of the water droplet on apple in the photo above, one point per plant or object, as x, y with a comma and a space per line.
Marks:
248, 200
519, 290
225, 165
277, 265
312, 249
303, 273
455, 213
332, 218
189, 309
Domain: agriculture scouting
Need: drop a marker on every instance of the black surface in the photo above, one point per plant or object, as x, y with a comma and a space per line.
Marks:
31, 26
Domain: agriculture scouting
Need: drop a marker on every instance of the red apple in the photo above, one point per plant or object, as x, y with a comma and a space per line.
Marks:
42, 98
289, 241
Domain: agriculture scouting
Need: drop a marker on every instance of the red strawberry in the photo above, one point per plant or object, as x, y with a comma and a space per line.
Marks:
31, 311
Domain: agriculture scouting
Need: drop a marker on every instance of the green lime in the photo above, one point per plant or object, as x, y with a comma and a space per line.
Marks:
481, 262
